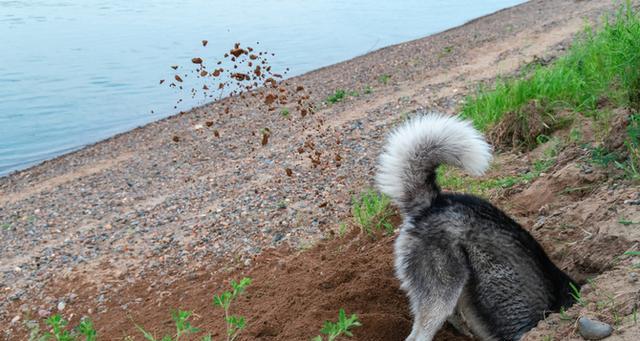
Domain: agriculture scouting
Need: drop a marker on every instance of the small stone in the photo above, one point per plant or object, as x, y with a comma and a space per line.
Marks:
61, 305
593, 329
633, 277
43, 313
540, 222
15, 319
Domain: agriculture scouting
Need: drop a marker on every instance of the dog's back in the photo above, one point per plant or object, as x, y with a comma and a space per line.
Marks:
457, 256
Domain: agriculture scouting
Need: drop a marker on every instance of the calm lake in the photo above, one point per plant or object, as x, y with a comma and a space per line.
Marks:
76, 72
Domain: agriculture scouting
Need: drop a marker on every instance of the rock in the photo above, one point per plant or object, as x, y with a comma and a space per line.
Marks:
61, 305
43, 313
540, 222
15, 319
633, 277
593, 329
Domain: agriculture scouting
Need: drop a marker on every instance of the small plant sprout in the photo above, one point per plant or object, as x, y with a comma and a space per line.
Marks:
58, 330
575, 293
58, 324
626, 222
338, 96
235, 324
183, 327
368, 90
285, 113
564, 316
342, 229
86, 329
384, 79
335, 329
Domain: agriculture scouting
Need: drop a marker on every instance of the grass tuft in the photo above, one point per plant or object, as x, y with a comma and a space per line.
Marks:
372, 212
337, 96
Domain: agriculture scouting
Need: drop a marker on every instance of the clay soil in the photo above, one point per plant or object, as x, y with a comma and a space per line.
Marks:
163, 217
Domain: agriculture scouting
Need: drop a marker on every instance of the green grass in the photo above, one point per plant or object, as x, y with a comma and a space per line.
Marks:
452, 179
384, 79
372, 212
342, 327
600, 64
631, 166
337, 96
340, 95
627, 222
577, 296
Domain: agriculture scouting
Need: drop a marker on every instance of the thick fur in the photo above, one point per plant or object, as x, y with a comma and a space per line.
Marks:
458, 257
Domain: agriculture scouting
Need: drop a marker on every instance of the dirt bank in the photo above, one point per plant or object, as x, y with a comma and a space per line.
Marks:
128, 228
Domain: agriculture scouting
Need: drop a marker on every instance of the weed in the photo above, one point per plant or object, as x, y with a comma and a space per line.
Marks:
285, 113
575, 135
341, 327
337, 96
354, 93
372, 212
342, 229
5, 226
445, 51
575, 293
58, 330
235, 324
602, 157
86, 329
564, 316
451, 180
368, 90
182, 324
384, 79
631, 166
627, 222
632, 253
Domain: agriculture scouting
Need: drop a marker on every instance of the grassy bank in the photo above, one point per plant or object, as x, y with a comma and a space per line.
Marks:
601, 65
601, 70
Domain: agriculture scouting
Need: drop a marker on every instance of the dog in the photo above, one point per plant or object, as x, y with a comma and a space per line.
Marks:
458, 257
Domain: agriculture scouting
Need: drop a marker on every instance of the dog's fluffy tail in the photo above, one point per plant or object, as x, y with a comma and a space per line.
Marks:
407, 166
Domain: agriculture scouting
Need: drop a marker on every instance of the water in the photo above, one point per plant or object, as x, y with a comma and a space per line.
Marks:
76, 72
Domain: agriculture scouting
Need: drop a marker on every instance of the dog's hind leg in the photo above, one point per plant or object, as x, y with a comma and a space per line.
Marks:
434, 277
431, 308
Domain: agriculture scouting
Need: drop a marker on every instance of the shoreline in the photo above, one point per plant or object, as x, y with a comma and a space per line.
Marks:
73, 150
140, 204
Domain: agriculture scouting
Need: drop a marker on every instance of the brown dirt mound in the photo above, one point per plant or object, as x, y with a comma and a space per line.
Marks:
292, 294
520, 129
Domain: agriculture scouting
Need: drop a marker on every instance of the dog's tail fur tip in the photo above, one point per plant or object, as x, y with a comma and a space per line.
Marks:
414, 150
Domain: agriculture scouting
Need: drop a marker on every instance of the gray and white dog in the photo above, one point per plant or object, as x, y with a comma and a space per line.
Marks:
458, 257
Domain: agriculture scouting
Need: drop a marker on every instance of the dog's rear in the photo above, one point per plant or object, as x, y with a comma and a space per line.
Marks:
457, 256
